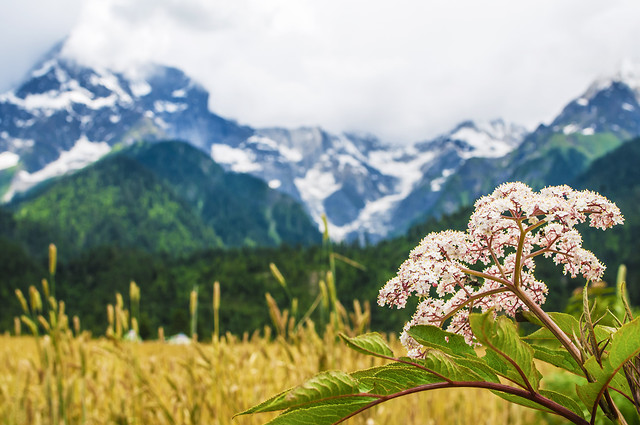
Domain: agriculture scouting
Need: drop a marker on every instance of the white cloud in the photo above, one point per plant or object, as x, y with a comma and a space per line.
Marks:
28, 28
403, 70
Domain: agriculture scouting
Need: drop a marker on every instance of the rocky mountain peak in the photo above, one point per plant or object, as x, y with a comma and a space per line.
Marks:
610, 105
66, 115
628, 74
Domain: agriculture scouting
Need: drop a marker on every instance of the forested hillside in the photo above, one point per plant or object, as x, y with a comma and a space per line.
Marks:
89, 279
165, 197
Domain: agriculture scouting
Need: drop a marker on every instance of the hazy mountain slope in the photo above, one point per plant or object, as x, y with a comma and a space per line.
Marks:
114, 201
446, 157
66, 115
161, 197
241, 208
595, 123
617, 176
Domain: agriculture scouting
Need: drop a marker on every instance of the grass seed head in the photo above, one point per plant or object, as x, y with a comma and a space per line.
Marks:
53, 258
35, 300
23, 301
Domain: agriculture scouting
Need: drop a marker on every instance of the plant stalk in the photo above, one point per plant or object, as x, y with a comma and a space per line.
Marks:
556, 408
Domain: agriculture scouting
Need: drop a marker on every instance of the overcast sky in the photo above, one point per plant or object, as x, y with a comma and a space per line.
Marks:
404, 70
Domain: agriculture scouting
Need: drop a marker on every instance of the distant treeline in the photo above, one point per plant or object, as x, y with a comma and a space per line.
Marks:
88, 282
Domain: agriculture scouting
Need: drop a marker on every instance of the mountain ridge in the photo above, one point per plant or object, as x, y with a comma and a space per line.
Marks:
66, 115
140, 197
603, 118
94, 110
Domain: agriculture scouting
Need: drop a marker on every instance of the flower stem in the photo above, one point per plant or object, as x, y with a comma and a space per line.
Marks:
556, 408
552, 326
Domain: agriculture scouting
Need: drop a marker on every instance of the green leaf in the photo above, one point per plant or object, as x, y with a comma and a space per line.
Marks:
322, 414
458, 368
371, 344
624, 345
566, 322
559, 398
331, 396
325, 385
507, 354
435, 367
563, 400
542, 334
557, 357
620, 383
447, 342
512, 398
603, 332
393, 378
481, 368
448, 367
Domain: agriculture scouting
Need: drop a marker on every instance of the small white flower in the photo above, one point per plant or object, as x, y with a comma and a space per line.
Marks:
506, 231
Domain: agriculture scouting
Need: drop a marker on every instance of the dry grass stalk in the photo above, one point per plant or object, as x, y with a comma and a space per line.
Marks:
65, 377
109, 381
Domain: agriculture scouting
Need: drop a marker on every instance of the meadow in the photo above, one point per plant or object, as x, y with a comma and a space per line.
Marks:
54, 372
61, 374
79, 380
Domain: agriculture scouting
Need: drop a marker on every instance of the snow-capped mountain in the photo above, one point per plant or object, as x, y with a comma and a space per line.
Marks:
436, 161
331, 174
66, 115
610, 104
599, 121
360, 183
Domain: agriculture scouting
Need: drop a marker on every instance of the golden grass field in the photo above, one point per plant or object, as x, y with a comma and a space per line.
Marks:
77, 380
62, 375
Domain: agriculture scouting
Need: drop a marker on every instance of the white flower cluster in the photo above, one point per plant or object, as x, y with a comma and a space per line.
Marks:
491, 265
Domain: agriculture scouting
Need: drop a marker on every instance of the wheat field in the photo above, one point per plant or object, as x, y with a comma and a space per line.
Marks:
78, 380
62, 375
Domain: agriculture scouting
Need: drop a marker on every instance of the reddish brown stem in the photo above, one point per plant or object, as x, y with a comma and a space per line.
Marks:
556, 408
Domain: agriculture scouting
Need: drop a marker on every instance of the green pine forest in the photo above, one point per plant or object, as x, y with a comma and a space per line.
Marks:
168, 261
